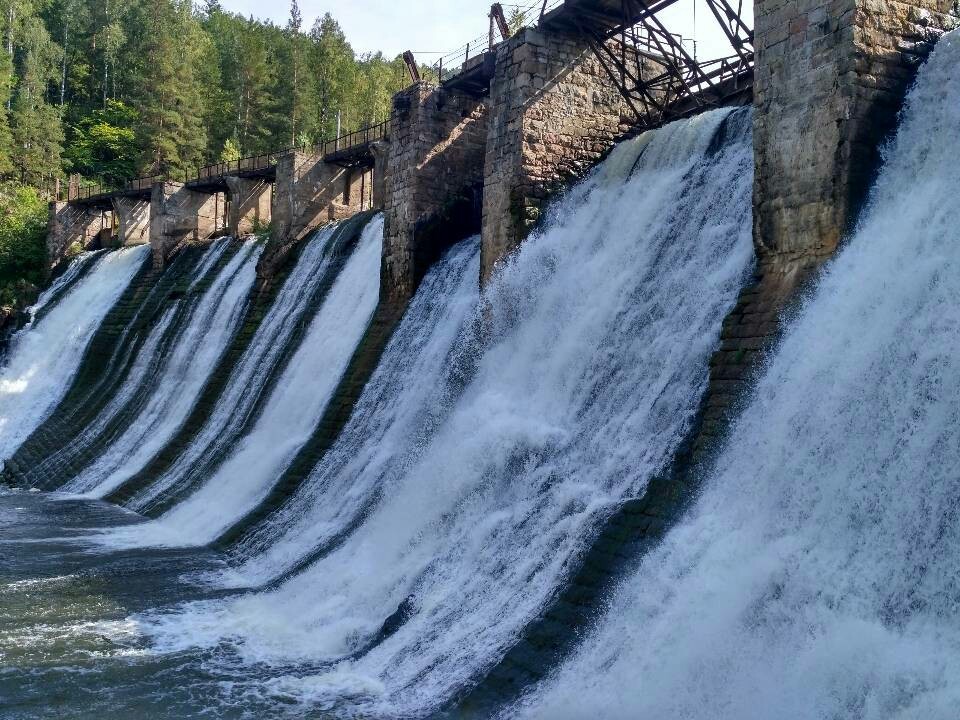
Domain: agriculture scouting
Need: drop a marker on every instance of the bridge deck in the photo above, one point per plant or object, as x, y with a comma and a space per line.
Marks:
350, 150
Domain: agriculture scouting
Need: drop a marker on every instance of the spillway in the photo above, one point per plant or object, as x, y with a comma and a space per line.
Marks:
816, 576
586, 362
293, 408
45, 356
394, 565
205, 329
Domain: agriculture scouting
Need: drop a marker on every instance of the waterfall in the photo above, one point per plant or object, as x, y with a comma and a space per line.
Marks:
250, 379
587, 361
136, 387
289, 416
816, 576
45, 356
400, 406
205, 330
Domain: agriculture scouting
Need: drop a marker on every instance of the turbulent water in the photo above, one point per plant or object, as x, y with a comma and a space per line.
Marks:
290, 414
248, 381
204, 330
400, 407
814, 575
45, 356
817, 576
584, 367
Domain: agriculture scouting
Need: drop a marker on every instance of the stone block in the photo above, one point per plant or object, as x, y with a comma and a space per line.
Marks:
179, 215
433, 172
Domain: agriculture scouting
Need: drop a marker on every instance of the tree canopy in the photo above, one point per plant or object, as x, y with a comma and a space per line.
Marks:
113, 90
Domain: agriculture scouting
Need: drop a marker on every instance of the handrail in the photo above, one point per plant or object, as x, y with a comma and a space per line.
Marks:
217, 171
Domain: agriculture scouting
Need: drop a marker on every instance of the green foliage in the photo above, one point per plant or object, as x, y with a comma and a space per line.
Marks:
23, 227
104, 144
115, 90
516, 21
230, 151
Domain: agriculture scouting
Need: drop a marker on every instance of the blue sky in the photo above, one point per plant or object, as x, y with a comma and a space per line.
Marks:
431, 25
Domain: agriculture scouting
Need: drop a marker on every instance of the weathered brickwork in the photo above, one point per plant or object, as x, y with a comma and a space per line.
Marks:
829, 81
554, 113
436, 157
179, 216
133, 221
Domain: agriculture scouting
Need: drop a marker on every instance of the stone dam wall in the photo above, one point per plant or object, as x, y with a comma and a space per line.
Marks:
829, 80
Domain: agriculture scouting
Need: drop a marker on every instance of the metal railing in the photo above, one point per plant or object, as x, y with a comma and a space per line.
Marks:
357, 139
64, 190
100, 189
252, 164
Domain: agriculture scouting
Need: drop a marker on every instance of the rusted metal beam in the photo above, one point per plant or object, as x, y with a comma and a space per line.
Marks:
411, 62
629, 46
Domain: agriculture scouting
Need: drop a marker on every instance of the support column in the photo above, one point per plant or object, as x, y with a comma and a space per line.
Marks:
554, 113
308, 193
380, 150
133, 220
249, 206
433, 177
830, 78
179, 215
72, 224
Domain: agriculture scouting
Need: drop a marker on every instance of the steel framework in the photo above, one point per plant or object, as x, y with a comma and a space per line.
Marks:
651, 67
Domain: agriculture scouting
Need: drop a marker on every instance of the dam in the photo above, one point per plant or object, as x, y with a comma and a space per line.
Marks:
599, 380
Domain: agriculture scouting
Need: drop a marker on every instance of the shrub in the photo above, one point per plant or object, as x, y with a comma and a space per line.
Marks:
23, 230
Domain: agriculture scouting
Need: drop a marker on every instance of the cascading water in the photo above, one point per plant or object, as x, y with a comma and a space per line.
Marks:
170, 342
816, 576
289, 415
593, 347
45, 356
206, 329
402, 402
249, 380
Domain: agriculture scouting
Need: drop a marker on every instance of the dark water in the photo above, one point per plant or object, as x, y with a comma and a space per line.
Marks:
69, 640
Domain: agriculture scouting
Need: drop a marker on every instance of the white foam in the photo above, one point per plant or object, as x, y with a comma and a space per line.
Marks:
817, 576
44, 359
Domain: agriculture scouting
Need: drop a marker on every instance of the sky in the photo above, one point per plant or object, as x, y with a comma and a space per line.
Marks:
434, 27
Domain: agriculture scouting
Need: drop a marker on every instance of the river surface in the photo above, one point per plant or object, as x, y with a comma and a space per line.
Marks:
70, 645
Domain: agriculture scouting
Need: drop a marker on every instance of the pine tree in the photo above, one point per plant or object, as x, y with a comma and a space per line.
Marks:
293, 29
36, 127
169, 98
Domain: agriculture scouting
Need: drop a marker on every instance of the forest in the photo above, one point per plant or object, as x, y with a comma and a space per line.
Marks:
112, 90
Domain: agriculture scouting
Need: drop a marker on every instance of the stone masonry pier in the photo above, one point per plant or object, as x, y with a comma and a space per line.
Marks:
830, 78
554, 114
179, 215
70, 225
434, 170
249, 205
133, 220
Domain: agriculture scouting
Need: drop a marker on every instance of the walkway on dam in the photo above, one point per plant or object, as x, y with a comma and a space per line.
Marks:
351, 150
624, 36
